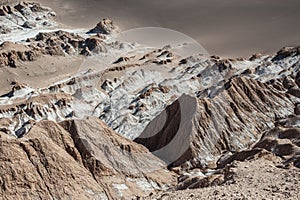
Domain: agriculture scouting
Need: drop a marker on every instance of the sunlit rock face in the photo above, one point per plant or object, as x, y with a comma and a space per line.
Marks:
86, 156
128, 117
23, 17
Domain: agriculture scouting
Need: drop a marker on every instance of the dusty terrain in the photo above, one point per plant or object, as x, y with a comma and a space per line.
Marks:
86, 114
254, 179
228, 28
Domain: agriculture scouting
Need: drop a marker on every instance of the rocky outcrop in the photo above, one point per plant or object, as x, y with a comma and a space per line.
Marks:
286, 52
116, 161
105, 26
93, 45
212, 114
255, 178
83, 160
29, 15
11, 54
55, 44
36, 167
62, 43
24, 114
283, 141
199, 179
133, 92
25, 15
122, 59
58, 43
191, 132
280, 146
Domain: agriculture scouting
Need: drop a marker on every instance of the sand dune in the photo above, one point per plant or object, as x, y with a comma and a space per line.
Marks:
228, 28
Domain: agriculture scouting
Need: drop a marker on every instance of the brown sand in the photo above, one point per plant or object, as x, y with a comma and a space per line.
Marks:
228, 28
40, 73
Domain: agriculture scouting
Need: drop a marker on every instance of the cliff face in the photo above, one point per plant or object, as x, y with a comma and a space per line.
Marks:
83, 160
36, 167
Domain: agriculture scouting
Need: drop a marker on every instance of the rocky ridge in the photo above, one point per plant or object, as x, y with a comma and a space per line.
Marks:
81, 159
230, 121
203, 117
269, 168
149, 91
58, 43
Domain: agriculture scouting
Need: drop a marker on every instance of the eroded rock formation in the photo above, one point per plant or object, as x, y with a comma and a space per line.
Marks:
81, 159
25, 15
230, 121
105, 26
203, 117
